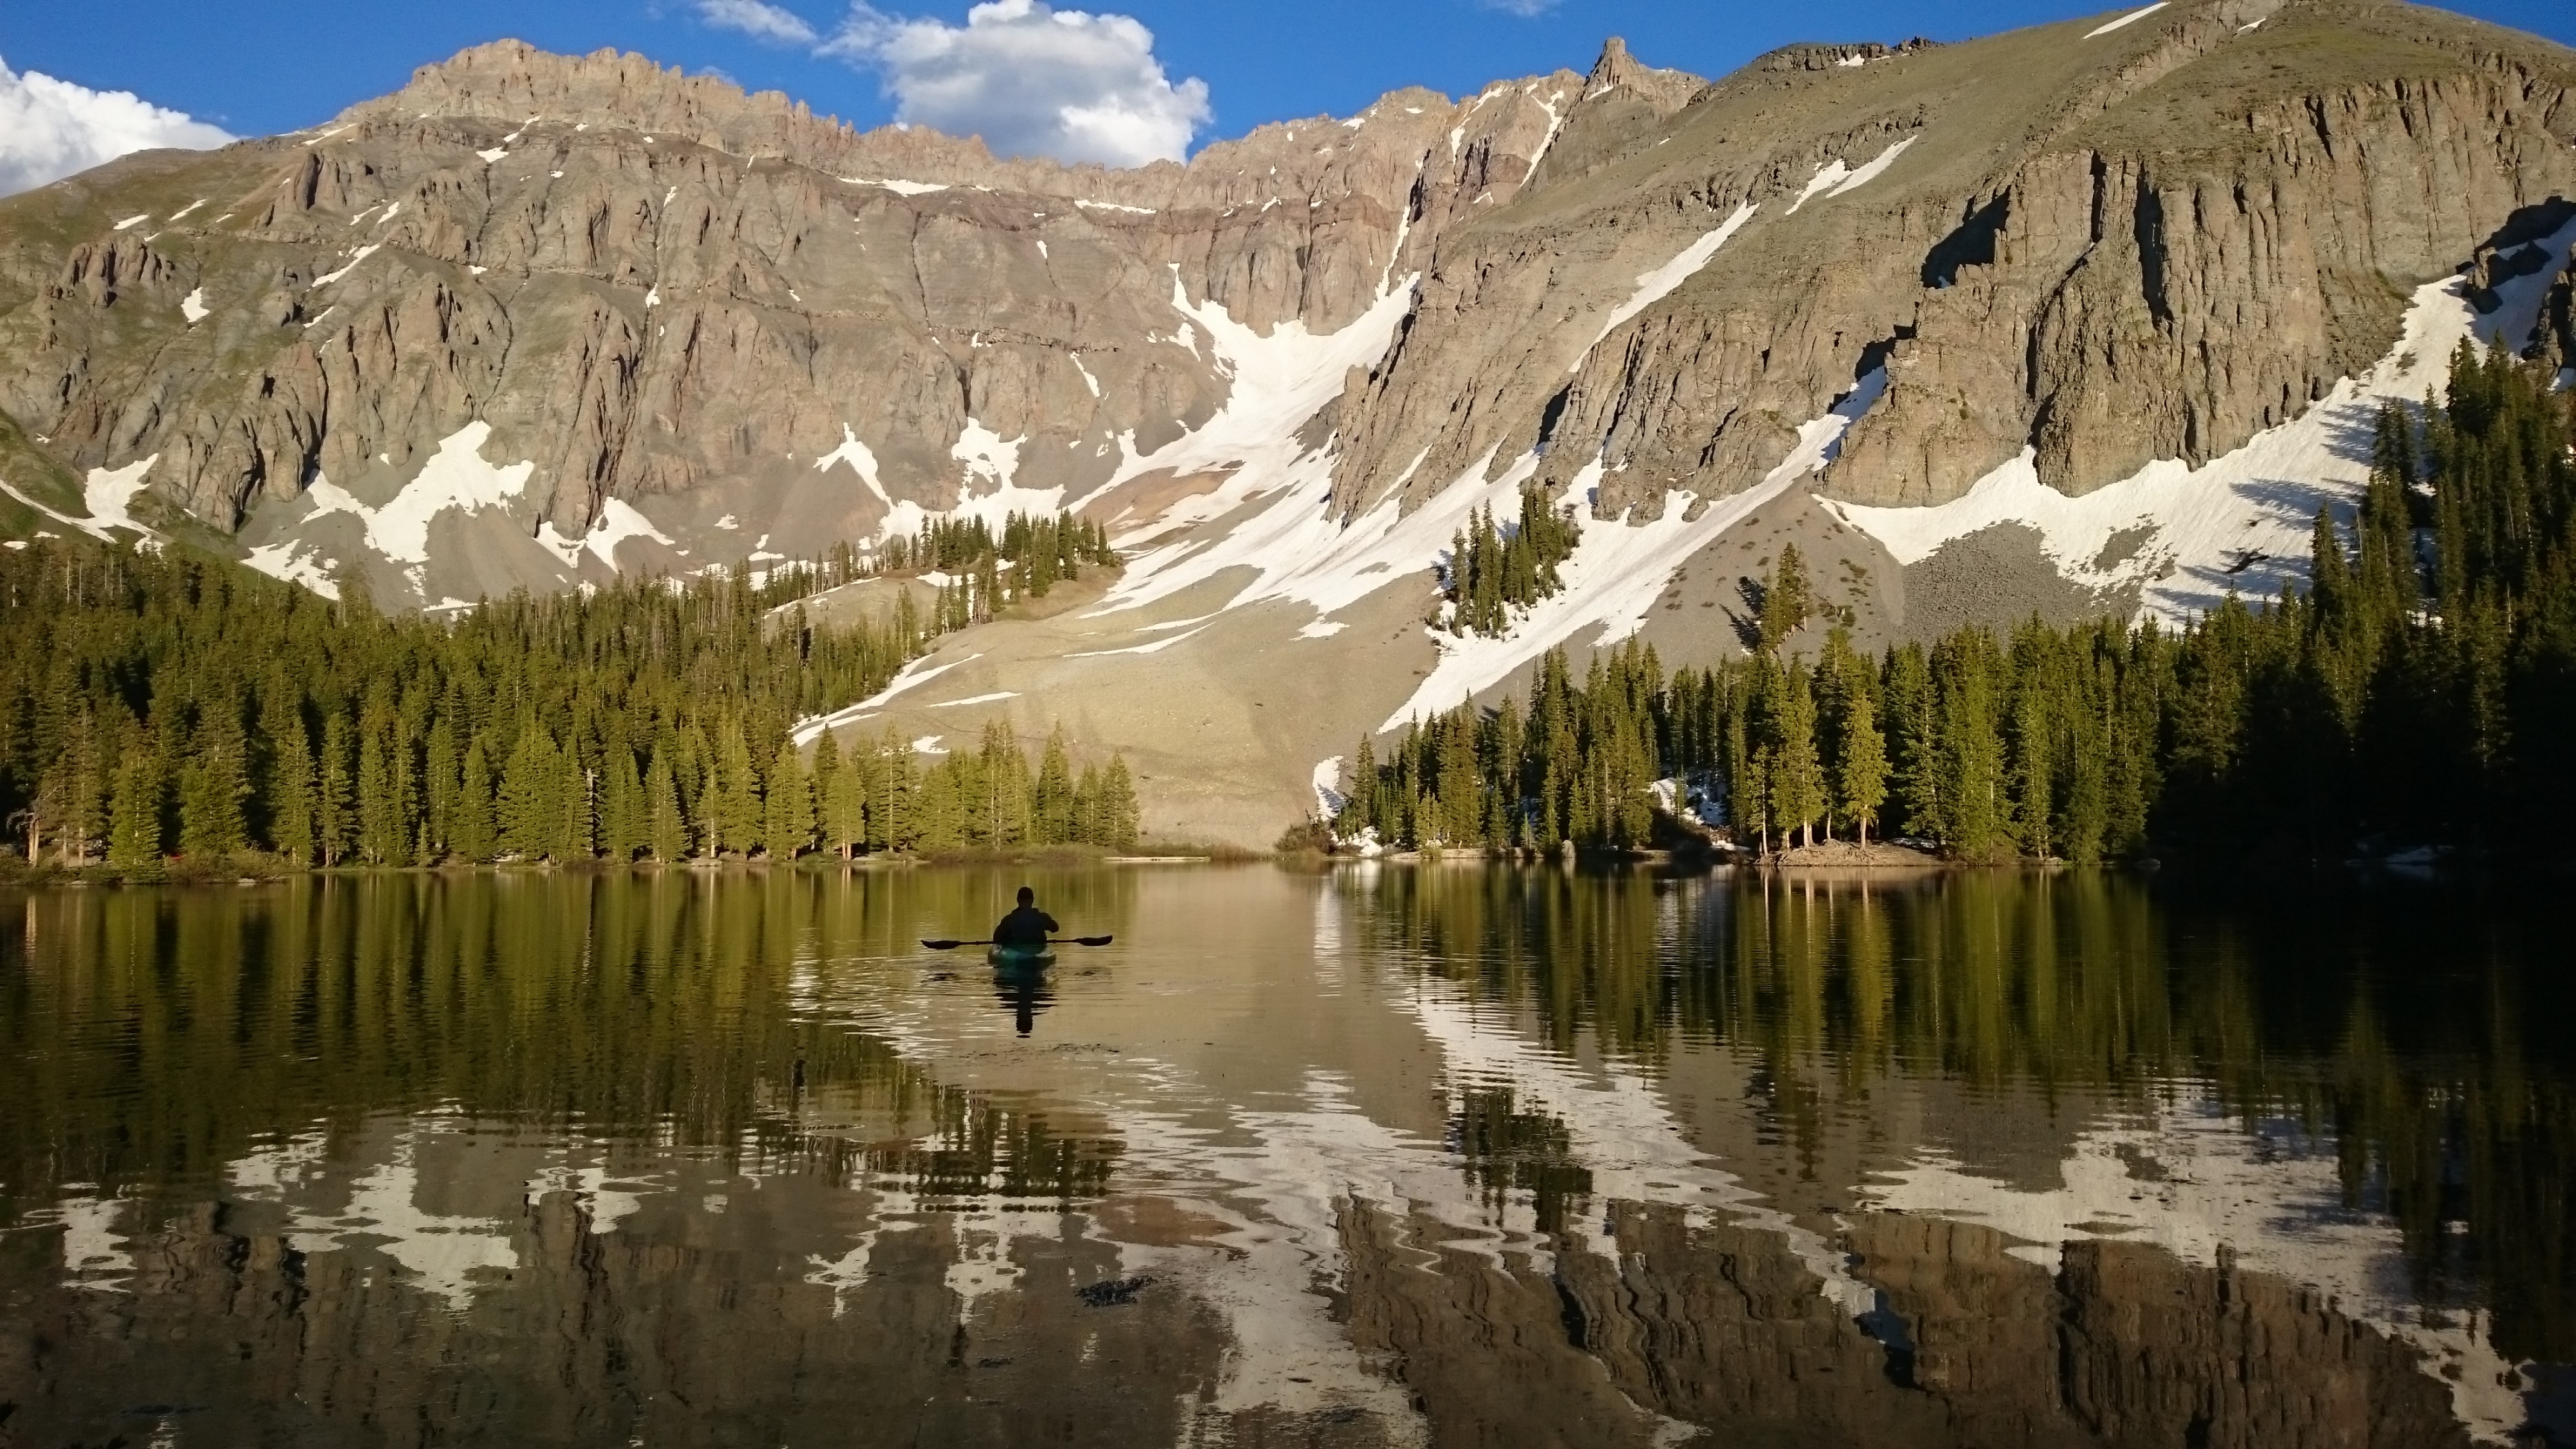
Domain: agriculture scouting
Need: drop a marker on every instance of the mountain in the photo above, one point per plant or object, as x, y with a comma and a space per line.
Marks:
2081, 318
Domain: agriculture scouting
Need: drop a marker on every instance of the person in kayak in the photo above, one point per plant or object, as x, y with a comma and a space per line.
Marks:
1027, 927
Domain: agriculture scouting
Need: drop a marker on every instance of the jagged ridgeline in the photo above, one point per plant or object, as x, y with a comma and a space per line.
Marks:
2423, 690
1493, 571
160, 704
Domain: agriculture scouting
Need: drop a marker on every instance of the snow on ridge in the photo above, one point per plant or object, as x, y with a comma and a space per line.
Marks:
364, 252
899, 188
2132, 18
110, 493
1834, 179
455, 477
2239, 523
109, 496
1156, 647
618, 521
862, 462
1618, 569
1114, 206
912, 676
1278, 382
1656, 285
193, 307
993, 698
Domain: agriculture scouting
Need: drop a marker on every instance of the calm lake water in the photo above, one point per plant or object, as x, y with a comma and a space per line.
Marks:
1428, 1155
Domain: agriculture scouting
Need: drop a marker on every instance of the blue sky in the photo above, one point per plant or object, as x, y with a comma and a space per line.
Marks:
253, 66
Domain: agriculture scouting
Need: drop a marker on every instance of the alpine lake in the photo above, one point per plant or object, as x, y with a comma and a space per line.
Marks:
1367, 1154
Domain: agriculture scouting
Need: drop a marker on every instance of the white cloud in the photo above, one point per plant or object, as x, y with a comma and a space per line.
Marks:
1032, 81
50, 129
759, 20
1525, 9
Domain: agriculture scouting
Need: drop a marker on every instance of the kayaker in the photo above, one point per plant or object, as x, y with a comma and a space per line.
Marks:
1027, 926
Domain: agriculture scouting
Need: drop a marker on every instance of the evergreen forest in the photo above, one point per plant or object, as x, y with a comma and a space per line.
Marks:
1494, 570
977, 573
2421, 691
158, 706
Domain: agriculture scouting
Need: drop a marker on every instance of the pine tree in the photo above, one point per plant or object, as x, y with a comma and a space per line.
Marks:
1052, 807
335, 824
668, 831
134, 819
625, 819
738, 803
788, 830
213, 785
476, 832
1797, 794
1860, 775
575, 792
531, 803
1118, 815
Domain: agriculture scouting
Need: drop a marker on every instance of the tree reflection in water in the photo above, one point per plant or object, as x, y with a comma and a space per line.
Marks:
1535, 1156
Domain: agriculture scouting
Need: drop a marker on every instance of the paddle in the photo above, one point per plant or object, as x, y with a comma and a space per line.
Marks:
1058, 941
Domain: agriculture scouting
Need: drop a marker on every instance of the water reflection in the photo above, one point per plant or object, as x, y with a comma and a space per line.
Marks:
1380, 1156
1023, 991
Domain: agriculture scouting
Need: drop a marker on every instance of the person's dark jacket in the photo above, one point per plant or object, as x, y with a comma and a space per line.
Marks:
1026, 926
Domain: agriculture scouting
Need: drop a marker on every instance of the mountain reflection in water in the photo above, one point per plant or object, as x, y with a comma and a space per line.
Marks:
1374, 1156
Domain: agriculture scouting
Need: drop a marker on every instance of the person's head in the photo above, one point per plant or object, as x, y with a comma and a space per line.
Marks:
1028, 897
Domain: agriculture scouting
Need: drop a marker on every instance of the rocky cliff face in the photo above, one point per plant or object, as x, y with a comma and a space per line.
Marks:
650, 286
535, 320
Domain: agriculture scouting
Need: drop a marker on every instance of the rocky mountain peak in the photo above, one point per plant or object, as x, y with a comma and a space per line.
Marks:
1665, 90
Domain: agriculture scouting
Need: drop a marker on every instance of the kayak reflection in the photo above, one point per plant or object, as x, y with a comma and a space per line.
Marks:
1020, 981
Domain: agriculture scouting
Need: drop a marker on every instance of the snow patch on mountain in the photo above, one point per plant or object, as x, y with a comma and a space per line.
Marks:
1619, 569
1655, 286
363, 253
1835, 179
298, 562
109, 496
912, 676
1277, 383
2188, 537
455, 477
861, 460
2132, 18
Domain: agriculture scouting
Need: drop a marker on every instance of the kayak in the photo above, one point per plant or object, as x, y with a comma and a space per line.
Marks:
1021, 958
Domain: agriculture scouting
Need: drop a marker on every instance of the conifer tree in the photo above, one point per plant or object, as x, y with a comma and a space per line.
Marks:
789, 829
1860, 775
1118, 817
476, 833
1052, 807
134, 824
668, 831
625, 821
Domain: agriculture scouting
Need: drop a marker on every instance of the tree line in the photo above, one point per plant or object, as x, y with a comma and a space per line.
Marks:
158, 704
1493, 570
2421, 690
981, 573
